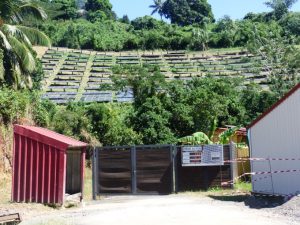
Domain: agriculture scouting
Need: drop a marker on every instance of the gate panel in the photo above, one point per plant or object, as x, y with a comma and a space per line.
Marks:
154, 170
202, 178
114, 170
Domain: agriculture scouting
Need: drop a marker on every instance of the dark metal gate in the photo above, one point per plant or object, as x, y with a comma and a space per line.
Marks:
133, 170
205, 177
155, 169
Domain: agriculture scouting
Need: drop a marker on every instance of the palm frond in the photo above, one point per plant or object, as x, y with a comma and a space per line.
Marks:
8, 11
35, 36
4, 43
13, 76
17, 75
24, 56
154, 11
11, 30
33, 10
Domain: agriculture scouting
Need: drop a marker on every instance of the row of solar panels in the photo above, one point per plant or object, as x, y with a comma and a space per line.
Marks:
88, 97
176, 65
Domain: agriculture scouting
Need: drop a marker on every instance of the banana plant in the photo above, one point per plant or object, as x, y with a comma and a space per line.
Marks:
198, 138
224, 137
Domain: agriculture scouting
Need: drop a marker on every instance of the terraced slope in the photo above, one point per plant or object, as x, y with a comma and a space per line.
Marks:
73, 75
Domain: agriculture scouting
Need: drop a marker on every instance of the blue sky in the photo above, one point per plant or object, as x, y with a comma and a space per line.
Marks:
236, 9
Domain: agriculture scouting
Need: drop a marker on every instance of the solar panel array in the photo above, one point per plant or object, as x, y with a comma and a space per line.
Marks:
75, 75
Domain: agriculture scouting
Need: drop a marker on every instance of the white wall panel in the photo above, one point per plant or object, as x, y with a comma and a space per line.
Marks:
277, 136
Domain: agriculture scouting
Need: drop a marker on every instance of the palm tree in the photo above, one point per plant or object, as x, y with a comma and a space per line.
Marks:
280, 7
275, 3
158, 7
16, 40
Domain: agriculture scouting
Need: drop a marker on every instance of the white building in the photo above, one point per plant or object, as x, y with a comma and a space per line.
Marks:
276, 134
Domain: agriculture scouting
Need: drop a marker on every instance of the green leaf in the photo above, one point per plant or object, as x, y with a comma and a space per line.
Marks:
4, 42
224, 137
35, 36
24, 55
197, 138
32, 9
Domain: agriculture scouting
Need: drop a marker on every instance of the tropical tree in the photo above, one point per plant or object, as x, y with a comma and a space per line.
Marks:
157, 7
280, 7
187, 12
200, 39
281, 59
16, 40
99, 10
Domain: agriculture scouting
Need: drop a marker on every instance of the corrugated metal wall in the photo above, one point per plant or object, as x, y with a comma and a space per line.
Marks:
277, 136
39, 172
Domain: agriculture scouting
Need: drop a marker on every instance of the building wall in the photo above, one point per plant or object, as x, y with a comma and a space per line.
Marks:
38, 172
277, 136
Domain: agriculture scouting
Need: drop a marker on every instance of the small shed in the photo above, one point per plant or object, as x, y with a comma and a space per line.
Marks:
47, 166
274, 139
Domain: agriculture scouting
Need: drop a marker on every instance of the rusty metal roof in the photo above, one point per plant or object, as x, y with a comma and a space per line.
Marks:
48, 137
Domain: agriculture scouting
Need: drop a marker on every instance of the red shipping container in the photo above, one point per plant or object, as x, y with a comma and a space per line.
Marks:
46, 165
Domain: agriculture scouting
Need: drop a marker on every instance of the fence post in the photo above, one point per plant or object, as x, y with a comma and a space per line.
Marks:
233, 164
171, 152
133, 170
94, 173
174, 168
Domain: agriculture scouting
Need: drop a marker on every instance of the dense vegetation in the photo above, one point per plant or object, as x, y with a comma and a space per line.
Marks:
192, 26
16, 41
162, 111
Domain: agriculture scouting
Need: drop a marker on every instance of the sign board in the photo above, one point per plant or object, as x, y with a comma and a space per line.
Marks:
206, 155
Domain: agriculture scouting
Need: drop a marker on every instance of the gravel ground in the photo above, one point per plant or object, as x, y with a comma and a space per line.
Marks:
188, 208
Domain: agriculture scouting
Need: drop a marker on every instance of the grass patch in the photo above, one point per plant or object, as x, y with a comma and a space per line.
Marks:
88, 184
240, 189
5, 188
210, 191
243, 186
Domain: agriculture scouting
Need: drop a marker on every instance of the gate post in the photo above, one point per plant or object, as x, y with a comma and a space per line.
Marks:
173, 149
94, 173
133, 170
233, 164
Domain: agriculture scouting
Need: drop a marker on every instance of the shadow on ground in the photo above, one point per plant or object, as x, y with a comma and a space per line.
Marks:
255, 202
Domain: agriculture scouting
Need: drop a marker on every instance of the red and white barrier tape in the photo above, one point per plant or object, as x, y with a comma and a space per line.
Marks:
261, 159
258, 173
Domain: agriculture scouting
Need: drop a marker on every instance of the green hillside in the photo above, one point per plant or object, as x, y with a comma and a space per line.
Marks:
75, 75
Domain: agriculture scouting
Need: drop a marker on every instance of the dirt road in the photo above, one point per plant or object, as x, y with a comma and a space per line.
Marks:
166, 210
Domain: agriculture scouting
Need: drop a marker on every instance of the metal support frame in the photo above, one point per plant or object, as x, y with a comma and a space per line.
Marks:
94, 173
174, 156
174, 164
133, 170
233, 166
